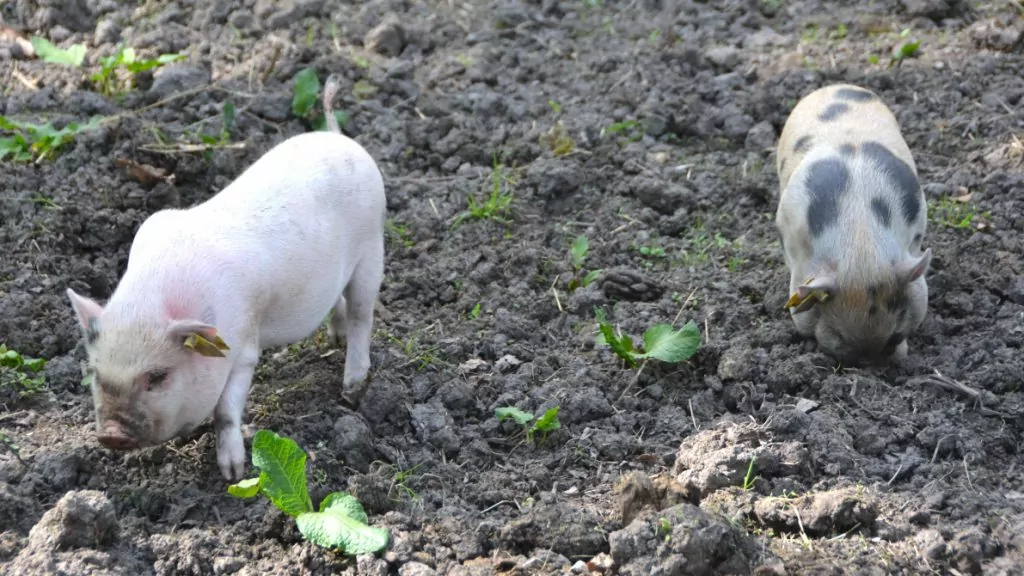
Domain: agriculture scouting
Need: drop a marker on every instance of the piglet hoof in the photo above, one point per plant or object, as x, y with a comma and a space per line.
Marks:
353, 392
231, 453
628, 285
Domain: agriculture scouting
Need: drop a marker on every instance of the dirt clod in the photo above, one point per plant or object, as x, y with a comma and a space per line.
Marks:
82, 518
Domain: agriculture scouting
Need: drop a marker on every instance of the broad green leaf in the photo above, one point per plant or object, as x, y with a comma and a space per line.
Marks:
347, 504
580, 247
590, 277
47, 52
668, 345
522, 418
307, 86
334, 528
246, 488
283, 471
549, 421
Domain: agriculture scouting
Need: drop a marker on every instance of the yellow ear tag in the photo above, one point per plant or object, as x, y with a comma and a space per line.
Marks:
200, 345
796, 300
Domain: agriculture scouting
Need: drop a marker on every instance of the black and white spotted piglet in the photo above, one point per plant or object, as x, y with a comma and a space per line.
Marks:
851, 218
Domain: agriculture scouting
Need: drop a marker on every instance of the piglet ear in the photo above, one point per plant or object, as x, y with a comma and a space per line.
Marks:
199, 337
88, 312
910, 269
811, 293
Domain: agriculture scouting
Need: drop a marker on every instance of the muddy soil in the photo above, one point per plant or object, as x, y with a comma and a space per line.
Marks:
646, 126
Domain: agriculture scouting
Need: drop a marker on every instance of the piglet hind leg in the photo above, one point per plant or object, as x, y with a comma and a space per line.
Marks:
361, 296
228, 414
336, 325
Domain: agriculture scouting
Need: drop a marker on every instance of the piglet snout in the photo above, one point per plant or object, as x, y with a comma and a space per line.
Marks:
114, 438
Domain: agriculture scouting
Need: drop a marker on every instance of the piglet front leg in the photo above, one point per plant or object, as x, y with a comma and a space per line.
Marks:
228, 414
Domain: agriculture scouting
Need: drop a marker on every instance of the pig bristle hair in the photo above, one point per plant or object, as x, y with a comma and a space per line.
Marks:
330, 91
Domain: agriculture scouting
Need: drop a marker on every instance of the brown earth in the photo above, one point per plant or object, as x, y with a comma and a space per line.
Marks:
668, 112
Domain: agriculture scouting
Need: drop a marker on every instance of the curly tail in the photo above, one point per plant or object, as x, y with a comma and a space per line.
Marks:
330, 91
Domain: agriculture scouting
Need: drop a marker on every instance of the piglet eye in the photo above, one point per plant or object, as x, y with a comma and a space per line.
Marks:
156, 377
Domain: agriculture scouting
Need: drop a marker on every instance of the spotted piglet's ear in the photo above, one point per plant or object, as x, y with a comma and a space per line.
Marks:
811, 293
910, 269
199, 337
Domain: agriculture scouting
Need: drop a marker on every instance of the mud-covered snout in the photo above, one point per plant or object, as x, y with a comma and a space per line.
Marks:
868, 352
112, 435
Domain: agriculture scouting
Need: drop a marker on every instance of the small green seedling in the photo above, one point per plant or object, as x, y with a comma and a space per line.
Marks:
30, 142
117, 73
340, 523
558, 140
631, 129
750, 479
578, 255
307, 92
496, 206
905, 50
665, 528
475, 312
954, 212
547, 423
21, 373
47, 52
661, 341
226, 126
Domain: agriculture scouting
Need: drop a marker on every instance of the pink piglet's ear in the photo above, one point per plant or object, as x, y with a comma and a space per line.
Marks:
198, 336
88, 312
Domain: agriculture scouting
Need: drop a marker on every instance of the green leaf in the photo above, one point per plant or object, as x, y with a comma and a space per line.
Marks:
136, 66
228, 115
283, 468
590, 277
341, 524
580, 247
320, 124
246, 488
522, 418
363, 89
668, 345
549, 421
47, 52
307, 86
906, 50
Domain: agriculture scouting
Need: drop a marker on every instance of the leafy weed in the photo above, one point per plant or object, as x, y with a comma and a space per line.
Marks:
661, 341
578, 256
117, 73
29, 142
547, 423
340, 523
21, 373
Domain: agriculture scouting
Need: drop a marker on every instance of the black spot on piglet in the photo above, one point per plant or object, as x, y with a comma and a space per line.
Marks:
833, 111
881, 209
802, 144
854, 95
826, 182
902, 177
